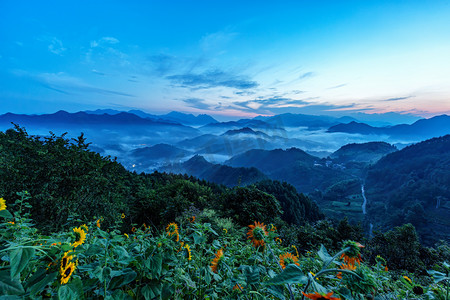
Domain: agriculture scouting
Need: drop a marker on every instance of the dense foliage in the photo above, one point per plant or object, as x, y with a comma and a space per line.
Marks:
80, 225
412, 186
68, 181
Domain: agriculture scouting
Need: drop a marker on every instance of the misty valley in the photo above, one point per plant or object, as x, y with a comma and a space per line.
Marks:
377, 176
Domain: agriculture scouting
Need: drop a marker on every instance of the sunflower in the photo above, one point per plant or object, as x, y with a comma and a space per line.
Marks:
192, 219
257, 233
80, 237
85, 227
67, 272
287, 259
317, 296
216, 261
2, 204
278, 240
296, 251
238, 287
345, 267
188, 252
172, 229
353, 255
122, 216
98, 223
65, 260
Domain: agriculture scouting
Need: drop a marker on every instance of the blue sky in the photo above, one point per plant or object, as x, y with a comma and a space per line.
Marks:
226, 58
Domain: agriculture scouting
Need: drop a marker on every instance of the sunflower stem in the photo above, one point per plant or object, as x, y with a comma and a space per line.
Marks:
334, 257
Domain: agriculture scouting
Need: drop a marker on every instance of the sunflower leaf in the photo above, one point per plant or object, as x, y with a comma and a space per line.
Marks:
8, 286
291, 274
19, 259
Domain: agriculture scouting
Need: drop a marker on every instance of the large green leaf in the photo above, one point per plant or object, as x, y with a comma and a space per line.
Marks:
6, 214
8, 286
39, 281
123, 277
19, 259
291, 274
323, 254
72, 290
151, 290
277, 291
154, 263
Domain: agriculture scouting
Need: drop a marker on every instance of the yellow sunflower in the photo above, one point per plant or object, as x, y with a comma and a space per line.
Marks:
216, 261
85, 227
257, 233
65, 260
80, 236
67, 272
98, 223
188, 252
2, 204
287, 259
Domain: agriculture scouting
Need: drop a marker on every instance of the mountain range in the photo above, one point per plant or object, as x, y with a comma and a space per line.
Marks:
423, 128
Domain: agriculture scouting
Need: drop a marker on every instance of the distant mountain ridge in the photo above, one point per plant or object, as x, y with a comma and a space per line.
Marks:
424, 128
199, 167
174, 116
81, 118
363, 152
301, 120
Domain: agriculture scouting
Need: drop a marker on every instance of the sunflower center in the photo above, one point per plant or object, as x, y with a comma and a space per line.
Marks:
67, 272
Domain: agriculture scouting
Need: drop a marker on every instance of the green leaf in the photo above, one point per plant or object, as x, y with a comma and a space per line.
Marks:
19, 259
72, 290
8, 286
38, 283
167, 291
66, 247
291, 274
323, 254
6, 214
118, 295
438, 276
277, 291
151, 290
251, 274
127, 275
154, 263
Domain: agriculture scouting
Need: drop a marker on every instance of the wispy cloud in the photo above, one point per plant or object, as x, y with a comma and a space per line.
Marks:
65, 84
337, 86
306, 75
212, 79
397, 98
197, 103
104, 40
270, 103
54, 45
216, 41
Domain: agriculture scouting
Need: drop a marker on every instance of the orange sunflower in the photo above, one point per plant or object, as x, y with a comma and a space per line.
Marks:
257, 233
345, 267
287, 259
317, 296
216, 261
353, 255
172, 230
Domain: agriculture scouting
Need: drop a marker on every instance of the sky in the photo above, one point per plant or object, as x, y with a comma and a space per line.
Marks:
229, 59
